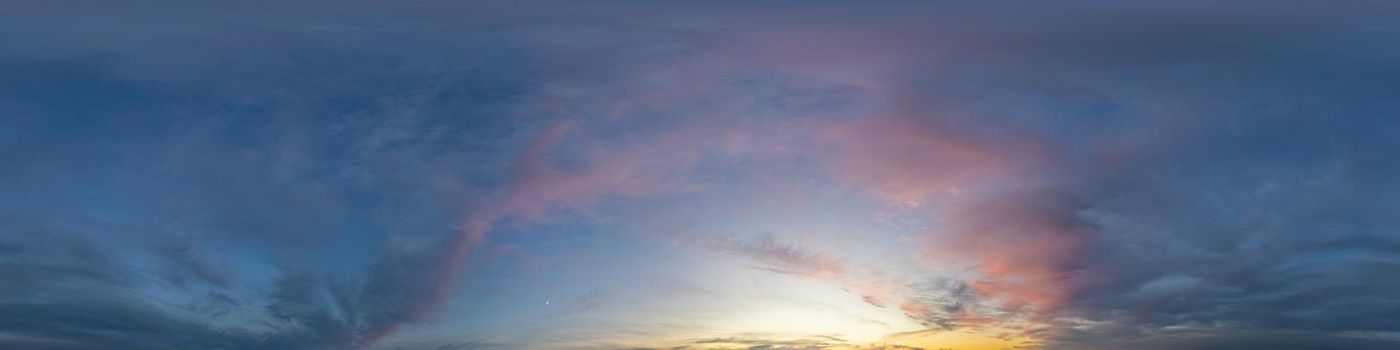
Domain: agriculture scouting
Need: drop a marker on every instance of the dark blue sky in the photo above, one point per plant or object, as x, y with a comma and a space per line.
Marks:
727, 175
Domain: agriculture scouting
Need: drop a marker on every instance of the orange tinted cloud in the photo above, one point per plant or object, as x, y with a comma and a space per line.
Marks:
1019, 244
1022, 244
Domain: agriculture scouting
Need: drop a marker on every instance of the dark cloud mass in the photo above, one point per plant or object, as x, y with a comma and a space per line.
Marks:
1078, 175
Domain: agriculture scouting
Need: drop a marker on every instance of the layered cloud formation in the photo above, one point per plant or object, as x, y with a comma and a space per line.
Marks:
1082, 175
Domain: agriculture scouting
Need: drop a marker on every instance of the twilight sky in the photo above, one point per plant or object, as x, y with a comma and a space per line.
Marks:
708, 175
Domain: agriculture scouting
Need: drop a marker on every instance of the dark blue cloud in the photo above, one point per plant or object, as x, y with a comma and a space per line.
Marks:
1236, 195
167, 184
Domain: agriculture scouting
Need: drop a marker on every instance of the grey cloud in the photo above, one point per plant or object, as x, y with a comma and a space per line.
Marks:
768, 254
240, 174
398, 288
1261, 210
454, 345
68, 294
758, 342
36, 258
303, 311
285, 143
108, 324
190, 263
939, 303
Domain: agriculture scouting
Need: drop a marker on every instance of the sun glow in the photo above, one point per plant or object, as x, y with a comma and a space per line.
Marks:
966, 339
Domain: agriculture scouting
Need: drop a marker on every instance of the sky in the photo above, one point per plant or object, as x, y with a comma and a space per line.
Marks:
699, 175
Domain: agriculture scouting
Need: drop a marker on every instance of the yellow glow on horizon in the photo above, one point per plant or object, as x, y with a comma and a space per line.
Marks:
966, 340
806, 320
956, 340
801, 308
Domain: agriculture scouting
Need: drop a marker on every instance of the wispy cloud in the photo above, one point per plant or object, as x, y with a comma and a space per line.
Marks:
768, 254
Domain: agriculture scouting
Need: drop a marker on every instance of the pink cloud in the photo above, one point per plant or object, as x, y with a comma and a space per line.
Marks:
900, 151
1023, 245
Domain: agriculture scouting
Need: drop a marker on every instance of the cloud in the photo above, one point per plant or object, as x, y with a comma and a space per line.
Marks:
768, 254
75, 296
758, 342
189, 263
815, 342
943, 304
50, 260
108, 324
72, 294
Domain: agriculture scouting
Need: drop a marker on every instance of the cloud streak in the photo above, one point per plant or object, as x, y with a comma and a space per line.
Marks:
771, 255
